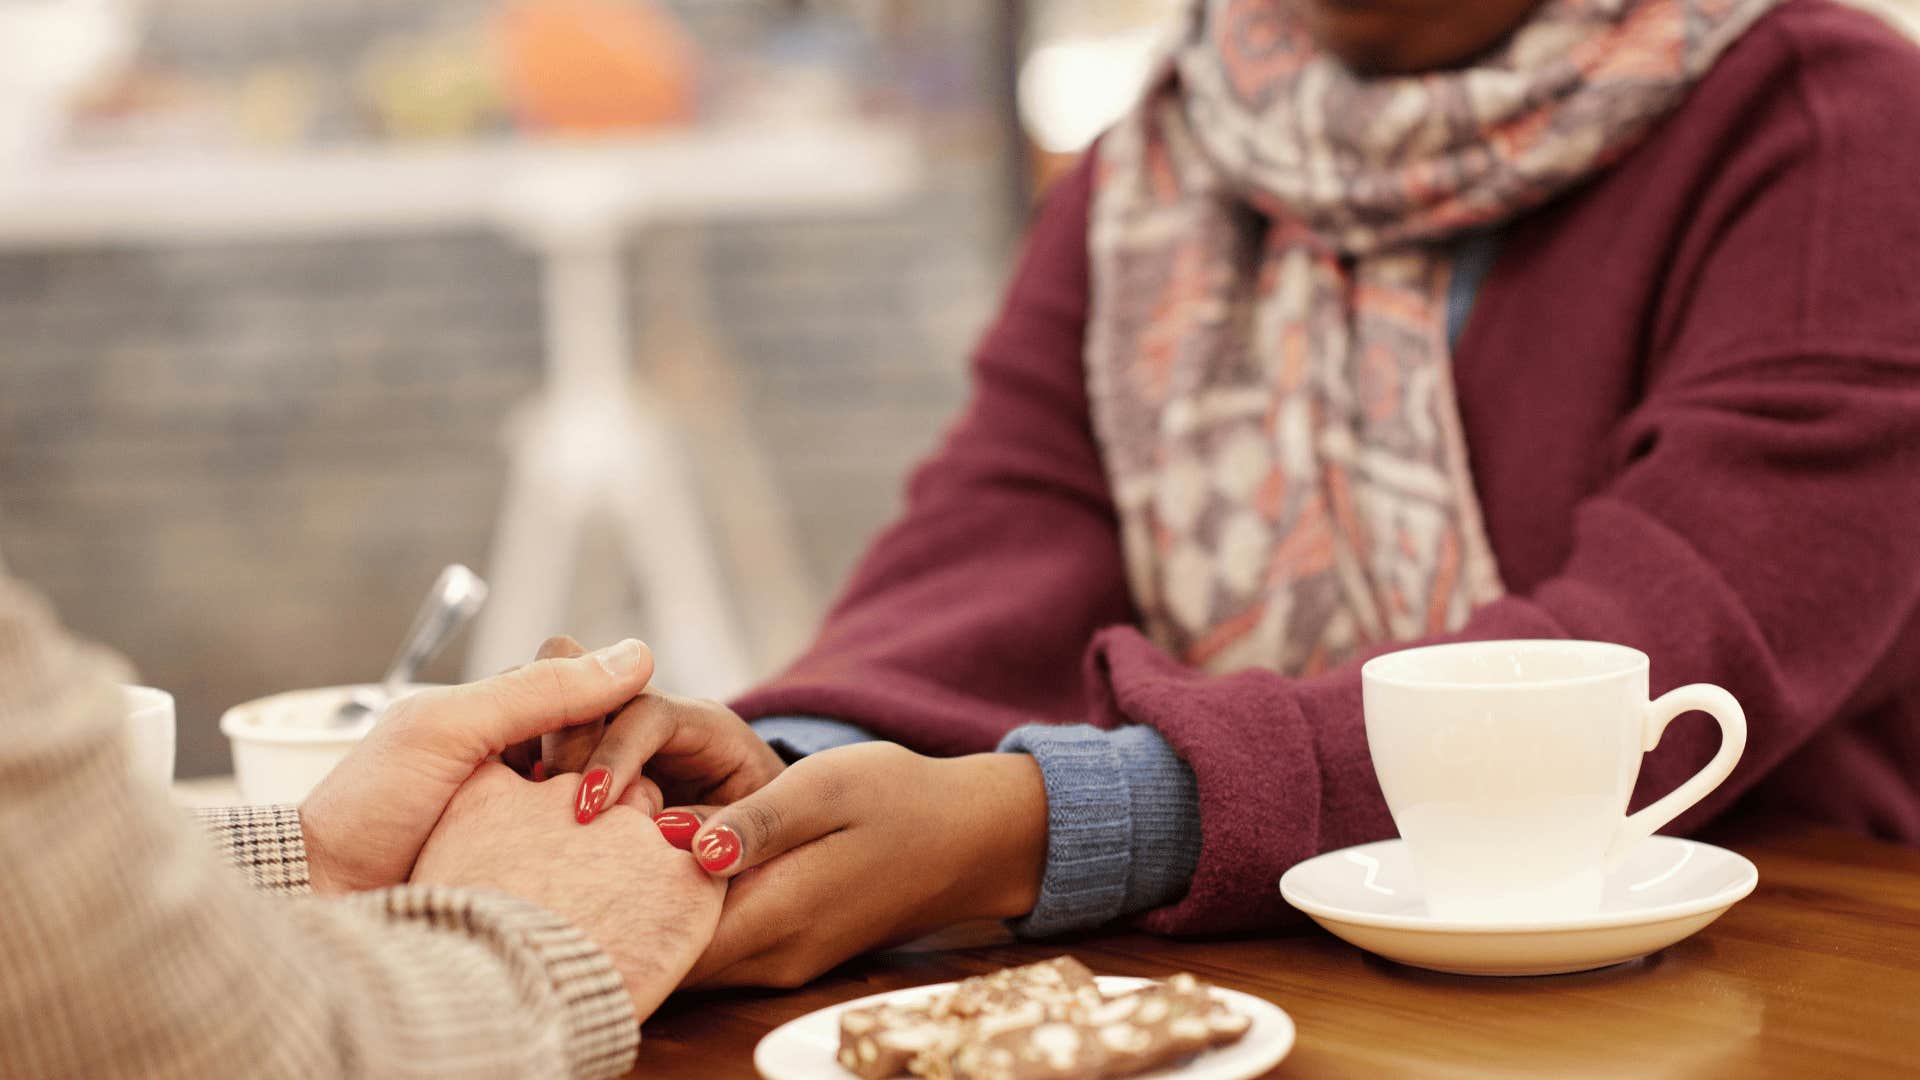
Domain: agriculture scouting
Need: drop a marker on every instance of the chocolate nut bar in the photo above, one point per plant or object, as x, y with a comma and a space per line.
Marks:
1058, 986
884, 1041
1040, 1022
1126, 1034
1154, 1025
889, 1040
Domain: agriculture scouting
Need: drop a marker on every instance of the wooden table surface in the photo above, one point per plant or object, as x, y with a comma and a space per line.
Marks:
1816, 974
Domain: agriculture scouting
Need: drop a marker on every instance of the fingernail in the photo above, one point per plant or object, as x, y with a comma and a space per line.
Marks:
539, 771
678, 827
620, 660
717, 850
593, 793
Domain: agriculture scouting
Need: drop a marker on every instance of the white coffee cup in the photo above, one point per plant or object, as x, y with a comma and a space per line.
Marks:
1507, 766
150, 732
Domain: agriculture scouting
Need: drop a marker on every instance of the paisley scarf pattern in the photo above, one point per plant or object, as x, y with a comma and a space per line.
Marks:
1267, 354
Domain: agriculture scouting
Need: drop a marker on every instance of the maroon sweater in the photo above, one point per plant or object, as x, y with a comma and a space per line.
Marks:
1691, 392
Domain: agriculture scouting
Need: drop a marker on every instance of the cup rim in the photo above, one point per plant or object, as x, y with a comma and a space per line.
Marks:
1378, 670
145, 699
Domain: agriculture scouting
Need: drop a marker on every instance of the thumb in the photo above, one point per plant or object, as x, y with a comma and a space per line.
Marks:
566, 749
802, 804
530, 701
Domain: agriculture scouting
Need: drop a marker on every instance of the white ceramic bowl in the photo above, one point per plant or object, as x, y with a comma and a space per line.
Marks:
283, 745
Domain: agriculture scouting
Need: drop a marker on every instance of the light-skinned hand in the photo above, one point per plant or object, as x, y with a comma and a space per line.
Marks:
644, 902
364, 824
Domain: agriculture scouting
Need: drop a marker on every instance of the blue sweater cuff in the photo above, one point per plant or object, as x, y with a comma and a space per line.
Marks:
1123, 814
794, 737
1123, 824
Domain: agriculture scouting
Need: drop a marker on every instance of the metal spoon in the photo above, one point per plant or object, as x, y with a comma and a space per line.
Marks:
455, 599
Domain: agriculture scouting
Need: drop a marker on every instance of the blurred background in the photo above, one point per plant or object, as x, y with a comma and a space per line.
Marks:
642, 308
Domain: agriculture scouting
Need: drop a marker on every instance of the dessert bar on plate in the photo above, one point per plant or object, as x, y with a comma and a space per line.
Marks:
1039, 1022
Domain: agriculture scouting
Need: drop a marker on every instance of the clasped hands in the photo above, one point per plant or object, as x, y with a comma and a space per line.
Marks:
799, 868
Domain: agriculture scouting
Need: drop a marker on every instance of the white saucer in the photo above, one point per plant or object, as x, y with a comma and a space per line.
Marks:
803, 1049
1665, 890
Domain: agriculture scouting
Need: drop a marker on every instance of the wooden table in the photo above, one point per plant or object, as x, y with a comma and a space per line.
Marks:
1816, 974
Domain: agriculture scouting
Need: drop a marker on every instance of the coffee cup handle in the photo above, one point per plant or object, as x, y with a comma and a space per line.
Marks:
1716, 703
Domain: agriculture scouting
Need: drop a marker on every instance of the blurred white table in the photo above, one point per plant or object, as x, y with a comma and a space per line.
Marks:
595, 441
85, 199
203, 791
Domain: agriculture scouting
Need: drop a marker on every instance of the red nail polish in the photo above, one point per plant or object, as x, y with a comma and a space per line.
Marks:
678, 827
594, 788
717, 850
539, 771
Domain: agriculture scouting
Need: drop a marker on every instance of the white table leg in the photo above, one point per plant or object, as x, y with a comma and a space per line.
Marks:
536, 544
595, 443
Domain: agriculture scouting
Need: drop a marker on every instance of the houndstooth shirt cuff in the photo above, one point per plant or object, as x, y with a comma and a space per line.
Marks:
266, 844
263, 842
602, 1033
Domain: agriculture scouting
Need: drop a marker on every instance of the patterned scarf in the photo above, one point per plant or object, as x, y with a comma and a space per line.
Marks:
1267, 352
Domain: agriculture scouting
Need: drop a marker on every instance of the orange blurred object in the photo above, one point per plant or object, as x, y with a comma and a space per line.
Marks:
596, 65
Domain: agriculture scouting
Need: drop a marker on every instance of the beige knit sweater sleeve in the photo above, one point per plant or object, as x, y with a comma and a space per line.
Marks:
127, 949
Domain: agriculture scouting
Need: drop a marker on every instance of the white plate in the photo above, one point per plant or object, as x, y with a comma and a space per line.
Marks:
1665, 890
803, 1049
